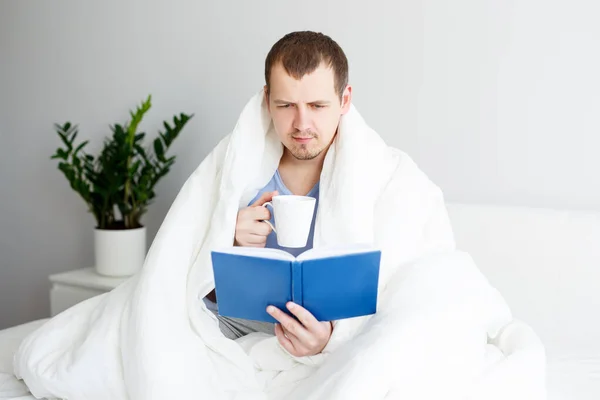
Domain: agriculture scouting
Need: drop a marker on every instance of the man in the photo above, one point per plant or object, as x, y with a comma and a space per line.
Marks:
307, 93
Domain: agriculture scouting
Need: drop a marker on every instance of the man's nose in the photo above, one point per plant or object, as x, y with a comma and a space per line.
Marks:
301, 119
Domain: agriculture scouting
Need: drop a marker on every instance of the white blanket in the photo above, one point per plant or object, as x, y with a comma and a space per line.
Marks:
152, 337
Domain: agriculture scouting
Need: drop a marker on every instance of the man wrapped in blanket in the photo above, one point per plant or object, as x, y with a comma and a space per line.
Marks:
307, 94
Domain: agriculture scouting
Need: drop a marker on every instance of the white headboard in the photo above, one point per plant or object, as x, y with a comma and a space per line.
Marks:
546, 263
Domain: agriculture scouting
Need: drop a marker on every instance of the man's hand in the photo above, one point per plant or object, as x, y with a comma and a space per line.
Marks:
305, 338
250, 231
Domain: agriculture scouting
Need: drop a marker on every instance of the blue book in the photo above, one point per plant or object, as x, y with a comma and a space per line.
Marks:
332, 283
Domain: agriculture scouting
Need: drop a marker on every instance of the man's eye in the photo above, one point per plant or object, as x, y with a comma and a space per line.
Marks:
284, 106
318, 106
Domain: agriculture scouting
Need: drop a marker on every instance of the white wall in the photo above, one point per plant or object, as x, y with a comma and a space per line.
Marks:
497, 100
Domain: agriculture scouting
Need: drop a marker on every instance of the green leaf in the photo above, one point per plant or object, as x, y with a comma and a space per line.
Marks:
72, 138
60, 153
133, 169
141, 152
159, 150
81, 146
67, 134
165, 138
136, 117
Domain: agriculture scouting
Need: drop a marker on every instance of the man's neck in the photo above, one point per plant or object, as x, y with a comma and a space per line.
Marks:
300, 176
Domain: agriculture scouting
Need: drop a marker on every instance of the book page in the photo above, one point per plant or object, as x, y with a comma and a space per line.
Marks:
337, 250
259, 252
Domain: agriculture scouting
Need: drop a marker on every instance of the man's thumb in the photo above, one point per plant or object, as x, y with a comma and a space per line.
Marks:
266, 196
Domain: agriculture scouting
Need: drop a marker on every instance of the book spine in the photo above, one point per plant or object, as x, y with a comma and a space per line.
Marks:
297, 283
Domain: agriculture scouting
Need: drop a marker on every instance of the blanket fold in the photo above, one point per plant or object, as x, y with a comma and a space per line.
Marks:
153, 338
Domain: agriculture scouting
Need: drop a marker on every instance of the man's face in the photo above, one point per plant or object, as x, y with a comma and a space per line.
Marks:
306, 112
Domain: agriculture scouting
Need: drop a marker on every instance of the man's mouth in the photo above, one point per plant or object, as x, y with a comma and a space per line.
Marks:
302, 140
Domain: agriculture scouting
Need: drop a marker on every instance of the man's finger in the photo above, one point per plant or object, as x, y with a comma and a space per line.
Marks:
300, 348
261, 228
257, 239
291, 337
304, 316
289, 323
259, 213
285, 342
266, 196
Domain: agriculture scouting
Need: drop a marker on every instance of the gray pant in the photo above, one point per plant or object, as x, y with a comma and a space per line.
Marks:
234, 328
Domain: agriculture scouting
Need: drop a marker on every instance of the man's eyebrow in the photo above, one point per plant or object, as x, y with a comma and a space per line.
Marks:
280, 101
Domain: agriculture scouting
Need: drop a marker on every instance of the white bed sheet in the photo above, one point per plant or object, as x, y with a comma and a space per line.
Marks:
574, 378
20, 398
9, 342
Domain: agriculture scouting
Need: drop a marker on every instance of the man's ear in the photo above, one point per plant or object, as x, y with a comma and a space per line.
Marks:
346, 99
266, 92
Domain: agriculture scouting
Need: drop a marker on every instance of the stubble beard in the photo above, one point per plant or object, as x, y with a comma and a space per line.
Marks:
303, 153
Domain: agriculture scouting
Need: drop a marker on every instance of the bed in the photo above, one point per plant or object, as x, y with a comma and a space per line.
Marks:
545, 263
9, 341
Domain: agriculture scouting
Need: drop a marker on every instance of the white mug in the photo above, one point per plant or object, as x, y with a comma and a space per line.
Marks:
293, 217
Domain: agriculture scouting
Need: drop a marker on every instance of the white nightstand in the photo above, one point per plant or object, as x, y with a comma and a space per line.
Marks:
72, 287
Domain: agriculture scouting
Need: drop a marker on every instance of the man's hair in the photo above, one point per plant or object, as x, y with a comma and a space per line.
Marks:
301, 53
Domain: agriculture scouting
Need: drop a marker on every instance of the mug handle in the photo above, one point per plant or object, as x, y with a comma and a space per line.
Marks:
268, 203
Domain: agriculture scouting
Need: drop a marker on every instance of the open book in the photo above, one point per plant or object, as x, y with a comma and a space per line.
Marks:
331, 282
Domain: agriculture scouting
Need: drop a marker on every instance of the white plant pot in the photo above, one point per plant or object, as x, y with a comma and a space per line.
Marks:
119, 252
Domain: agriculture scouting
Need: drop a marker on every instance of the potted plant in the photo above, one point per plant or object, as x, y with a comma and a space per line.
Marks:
118, 185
